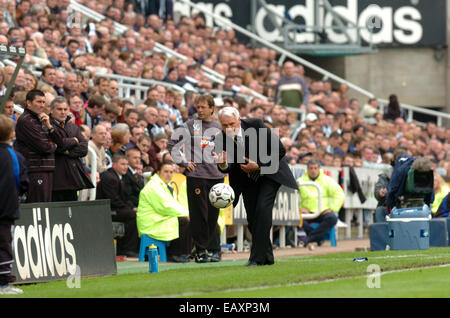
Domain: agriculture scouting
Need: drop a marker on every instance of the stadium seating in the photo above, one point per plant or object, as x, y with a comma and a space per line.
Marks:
147, 241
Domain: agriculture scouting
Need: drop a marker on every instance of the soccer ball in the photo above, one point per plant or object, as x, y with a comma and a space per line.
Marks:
221, 195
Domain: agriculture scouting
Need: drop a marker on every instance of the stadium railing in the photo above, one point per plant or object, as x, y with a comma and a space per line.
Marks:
286, 54
120, 29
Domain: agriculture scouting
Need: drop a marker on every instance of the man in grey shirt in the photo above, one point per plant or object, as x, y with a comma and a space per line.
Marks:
191, 146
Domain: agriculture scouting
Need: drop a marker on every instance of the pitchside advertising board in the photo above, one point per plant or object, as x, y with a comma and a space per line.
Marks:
394, 23
54, 241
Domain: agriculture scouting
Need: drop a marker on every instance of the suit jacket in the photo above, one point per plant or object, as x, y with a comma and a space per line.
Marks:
69, 170
238, 178
132, 187
112, 188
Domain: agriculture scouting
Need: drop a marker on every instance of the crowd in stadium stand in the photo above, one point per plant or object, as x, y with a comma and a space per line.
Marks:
336, 129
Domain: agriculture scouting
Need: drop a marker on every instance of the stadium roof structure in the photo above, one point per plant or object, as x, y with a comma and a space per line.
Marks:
11, 52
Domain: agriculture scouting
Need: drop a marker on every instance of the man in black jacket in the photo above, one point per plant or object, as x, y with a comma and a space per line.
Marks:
257, 167
111, 186
36, 141
14, 183
70, 175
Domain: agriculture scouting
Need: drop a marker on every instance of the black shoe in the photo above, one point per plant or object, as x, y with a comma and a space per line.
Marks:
202, 257
215, 256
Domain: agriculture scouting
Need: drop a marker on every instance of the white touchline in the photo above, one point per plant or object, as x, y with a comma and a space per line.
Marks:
312, 282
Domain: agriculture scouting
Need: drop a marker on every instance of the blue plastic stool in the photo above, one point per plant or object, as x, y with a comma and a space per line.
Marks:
147, 241
330, 235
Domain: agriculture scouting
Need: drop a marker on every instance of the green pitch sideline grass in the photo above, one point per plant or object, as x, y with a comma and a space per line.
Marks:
404, 274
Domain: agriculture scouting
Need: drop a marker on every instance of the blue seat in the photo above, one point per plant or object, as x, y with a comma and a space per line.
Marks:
330, 235
146, 242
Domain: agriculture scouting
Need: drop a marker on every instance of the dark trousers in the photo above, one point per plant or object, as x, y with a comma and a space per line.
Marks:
130, 241
6, 255
183, 244
259, 199
326, 222
64, 195
202, 214
40, 188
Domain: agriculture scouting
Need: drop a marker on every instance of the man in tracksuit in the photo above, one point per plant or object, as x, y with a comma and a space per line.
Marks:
201, 176
14, 183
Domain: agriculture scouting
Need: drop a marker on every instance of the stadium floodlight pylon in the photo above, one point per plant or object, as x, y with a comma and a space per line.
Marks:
14, 52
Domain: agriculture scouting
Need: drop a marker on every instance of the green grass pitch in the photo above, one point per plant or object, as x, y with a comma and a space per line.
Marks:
402, 274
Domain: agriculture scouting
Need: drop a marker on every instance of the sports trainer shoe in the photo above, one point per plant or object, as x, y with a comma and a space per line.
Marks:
10, 290
202, 257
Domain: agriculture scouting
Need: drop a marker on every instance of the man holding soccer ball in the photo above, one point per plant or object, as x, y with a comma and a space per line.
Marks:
189, 146
255, 160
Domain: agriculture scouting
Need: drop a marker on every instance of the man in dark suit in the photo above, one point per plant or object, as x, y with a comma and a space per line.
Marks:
257, 167
133, 181
111, 187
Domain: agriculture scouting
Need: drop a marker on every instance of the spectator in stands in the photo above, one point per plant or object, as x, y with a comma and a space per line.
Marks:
97, 143
8, 108
95, 108
291, 89
69, 176
162, 217
131, 117
136, 133
35, 139
393, 110
151, 116
48, 77
370, 109
77, 109
111, 186
133, 180
117, 145
332, 201
158, 146
161, 125
111, 114
14, 183
144, 144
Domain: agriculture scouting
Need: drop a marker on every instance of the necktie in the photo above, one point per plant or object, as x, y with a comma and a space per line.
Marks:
136, 177
240, 143
62, 124
170, 189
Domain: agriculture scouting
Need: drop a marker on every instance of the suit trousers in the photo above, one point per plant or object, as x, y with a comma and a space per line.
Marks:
41, 186
326, 222
259, 199
6, 255
64, 195
130, 241
202, 214
183, 244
